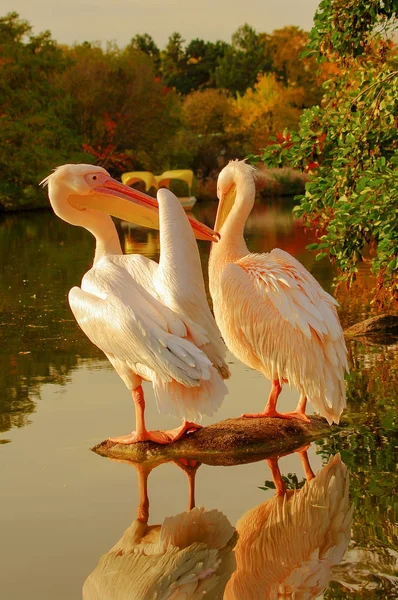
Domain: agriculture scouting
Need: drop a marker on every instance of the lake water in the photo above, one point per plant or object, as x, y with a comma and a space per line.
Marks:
62, 507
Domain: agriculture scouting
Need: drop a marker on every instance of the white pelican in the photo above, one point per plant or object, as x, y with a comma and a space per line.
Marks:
151, 320
288, 545
189, 556
273, 315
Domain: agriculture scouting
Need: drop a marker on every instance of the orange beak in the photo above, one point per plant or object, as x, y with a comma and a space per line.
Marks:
132, 205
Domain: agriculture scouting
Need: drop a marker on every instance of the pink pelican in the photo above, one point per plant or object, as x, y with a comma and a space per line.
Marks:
273, 315
151, 320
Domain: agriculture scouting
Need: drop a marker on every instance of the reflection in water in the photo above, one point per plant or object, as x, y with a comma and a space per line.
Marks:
364, 568
41, 343
188, 556
288, 544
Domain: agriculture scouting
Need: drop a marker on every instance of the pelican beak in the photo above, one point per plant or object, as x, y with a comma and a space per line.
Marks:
227, 200
131, 205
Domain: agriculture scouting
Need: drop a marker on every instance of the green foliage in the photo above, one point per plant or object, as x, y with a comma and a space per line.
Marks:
346, 27
144, 43
242, 61
36, 130
192, 68
291, 481
349, 144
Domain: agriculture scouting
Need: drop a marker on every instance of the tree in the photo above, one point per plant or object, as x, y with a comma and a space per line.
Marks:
207, 112
145, 43
36, 131
200, 64
172, 60
285, 47
266, 110
123, 110
350, 144
242, 62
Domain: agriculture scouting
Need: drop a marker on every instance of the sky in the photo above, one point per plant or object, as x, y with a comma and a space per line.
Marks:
73, 21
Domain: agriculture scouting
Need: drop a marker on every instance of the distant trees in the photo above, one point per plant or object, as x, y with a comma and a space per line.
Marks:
146, 44
37, 131
192, 68
243, 61
267, 109
208, 111
286, 47
122, 109
190, 104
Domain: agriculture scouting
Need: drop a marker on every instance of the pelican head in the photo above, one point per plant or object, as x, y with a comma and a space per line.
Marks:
78, 192
236, 172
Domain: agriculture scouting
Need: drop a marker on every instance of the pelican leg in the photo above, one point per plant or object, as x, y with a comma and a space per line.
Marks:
309, 473
189, 466
143, 506
299, 413
270, 407
141, 434
280, 485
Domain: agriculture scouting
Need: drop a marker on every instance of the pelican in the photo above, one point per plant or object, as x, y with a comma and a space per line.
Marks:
288, 545
151, 320
273, 315
188, 556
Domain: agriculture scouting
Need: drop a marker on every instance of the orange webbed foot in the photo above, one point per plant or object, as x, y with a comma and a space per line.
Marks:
158, 436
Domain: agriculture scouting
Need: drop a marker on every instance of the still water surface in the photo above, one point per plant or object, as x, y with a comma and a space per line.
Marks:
62, 507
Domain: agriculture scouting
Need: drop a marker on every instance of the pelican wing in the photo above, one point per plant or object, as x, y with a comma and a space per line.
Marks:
294, 292
128, 324
290, 324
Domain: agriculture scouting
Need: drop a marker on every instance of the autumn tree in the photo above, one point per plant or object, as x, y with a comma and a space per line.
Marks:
124, 112
266, 110
207, 136
208, 112
350, 142
285, 47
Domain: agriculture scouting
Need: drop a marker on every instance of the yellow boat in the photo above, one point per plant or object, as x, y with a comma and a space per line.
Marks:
150, 183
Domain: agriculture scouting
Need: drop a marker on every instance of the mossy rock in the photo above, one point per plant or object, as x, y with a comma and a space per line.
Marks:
382, 329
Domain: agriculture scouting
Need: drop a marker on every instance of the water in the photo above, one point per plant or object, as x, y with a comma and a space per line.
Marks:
62, 507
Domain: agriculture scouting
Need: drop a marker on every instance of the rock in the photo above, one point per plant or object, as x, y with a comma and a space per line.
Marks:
382, 329
234, 441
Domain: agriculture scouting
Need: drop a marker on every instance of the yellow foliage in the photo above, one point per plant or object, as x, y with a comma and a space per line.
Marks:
207, 111
266, 110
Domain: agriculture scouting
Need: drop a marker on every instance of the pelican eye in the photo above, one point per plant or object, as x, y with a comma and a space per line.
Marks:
94, 177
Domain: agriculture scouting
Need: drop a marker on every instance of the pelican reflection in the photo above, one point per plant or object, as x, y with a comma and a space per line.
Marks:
288, 544
189, 556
